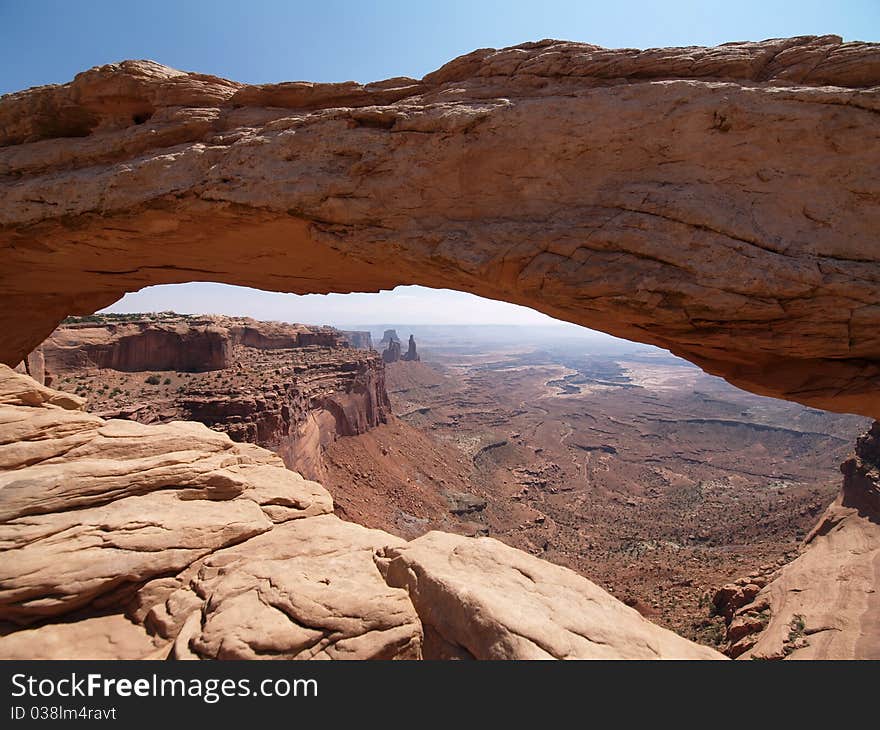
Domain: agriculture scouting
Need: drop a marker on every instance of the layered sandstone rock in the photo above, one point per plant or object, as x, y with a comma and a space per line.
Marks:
719, 202
480, 599
101, 637
824, 604
171, 342
291, 388
138, 346
279, 335
91, 507
96, 514
124, 540
306, 590
35, 366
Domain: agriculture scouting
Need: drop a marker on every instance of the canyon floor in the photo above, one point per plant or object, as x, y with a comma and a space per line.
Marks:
628, 465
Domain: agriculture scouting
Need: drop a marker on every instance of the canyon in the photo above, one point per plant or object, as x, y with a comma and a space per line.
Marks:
625, 464
289, 388
720, 203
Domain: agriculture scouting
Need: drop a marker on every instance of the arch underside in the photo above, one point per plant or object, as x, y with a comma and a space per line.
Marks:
726, 210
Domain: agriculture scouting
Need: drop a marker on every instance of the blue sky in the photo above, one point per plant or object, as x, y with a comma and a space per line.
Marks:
260, 41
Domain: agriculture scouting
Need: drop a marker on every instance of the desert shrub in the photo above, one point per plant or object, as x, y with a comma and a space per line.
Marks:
167, 381
153, 380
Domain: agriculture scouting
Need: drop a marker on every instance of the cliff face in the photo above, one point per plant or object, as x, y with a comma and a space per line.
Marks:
187, 343
824, 604
718, 202
297, 418
279, 336
130, 541
35, 366
139, 346
289, 388
361, 339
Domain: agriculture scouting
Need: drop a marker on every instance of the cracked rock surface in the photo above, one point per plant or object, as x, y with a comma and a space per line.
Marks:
480, 599
718, 202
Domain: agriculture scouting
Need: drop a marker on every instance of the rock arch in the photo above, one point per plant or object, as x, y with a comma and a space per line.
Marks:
719, 202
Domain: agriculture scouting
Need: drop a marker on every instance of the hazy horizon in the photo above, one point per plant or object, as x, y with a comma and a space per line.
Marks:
411, 305
454, 314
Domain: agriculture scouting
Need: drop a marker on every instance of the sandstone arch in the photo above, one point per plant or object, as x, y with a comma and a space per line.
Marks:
720, 202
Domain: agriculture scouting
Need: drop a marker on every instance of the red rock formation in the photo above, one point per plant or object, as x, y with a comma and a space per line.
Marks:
718, 202
297, 418
171, 541
388, 336
290, 388
35, 366
740, 234
411, 355
824, 604
280, 335
392, 352
139, 346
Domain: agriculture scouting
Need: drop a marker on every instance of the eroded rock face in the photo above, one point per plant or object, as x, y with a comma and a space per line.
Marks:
139, 346
125, 540
101, 637
279, 335
91, 508
290, 388
824, 604
178, 342
304, 591
464, 588
719, 202
35, 366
